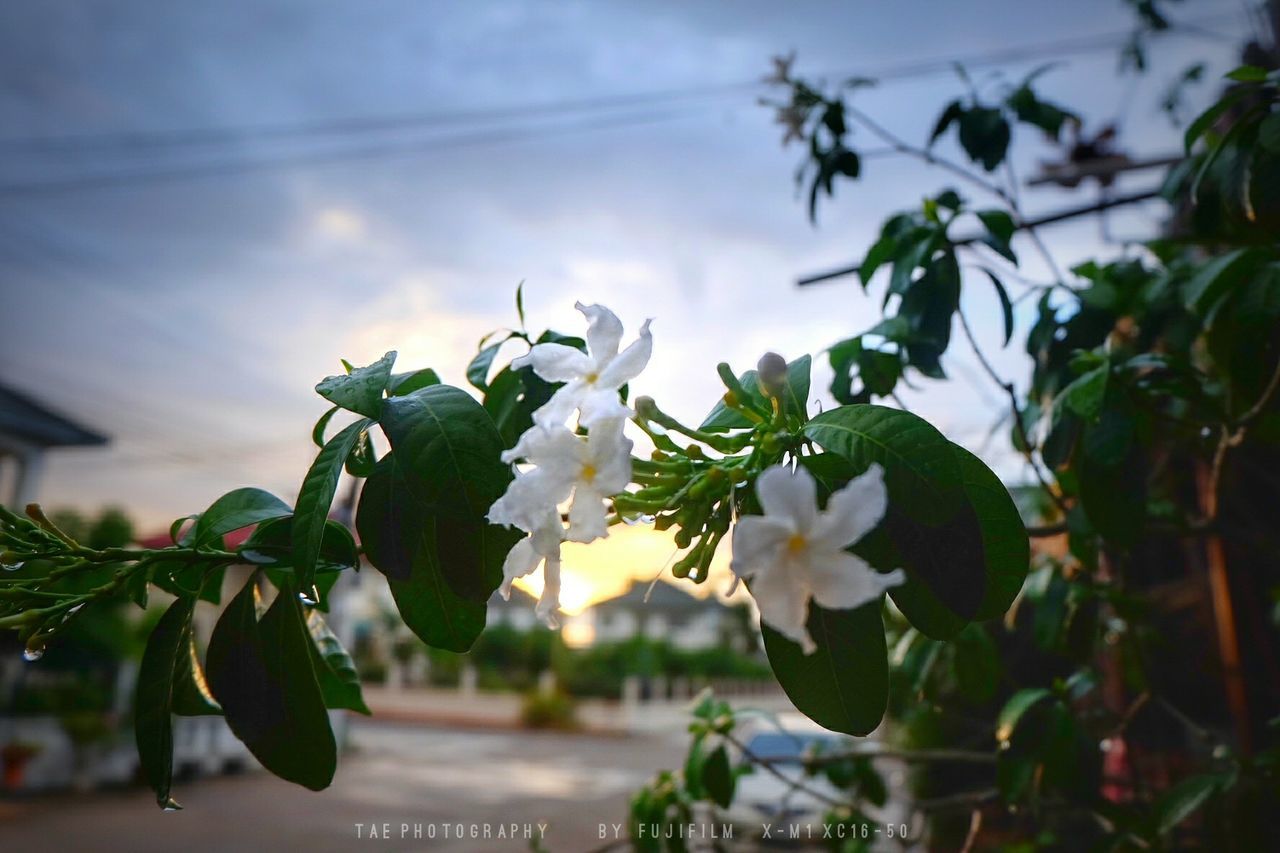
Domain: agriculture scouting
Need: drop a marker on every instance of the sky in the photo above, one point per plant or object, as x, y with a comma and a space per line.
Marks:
203, 207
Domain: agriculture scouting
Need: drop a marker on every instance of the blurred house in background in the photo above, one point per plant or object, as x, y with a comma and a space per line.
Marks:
28, 430
665, 612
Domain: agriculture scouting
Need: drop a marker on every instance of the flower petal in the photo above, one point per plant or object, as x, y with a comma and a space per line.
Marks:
841, 581
852, 512
557, 410
789, 495
549, 602
521, 560
529, 498
555, 362
783, 600
604, 331
598, 405
757, 544
587, 521
628, 363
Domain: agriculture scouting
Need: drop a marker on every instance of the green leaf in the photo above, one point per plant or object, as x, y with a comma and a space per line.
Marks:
1114, 496
722, 418
447, 450
1248, 74
335, 671
844, 684
1183, 800
1085, 394
262, 674
317, 431
407, 383
1206, 119
234, 510
930, 528
1005, 545
1217, 277
520, 303
400, 539
361, 390
984, 135
1016, 708
271, 545
1000, 228
717, 777
1006, 306
977, 664
316, 496
363, 456
512, 398
169, 682
478, 369
952, 113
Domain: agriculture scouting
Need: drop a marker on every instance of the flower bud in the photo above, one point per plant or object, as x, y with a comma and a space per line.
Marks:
646, 407
772, 372
694, 451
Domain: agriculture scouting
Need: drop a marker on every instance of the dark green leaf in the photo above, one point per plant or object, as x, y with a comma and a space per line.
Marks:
953, 111
169, 682
1000, 228
447, 450
1183, 800
262, 674
407, 383
977, 664
361, 390
400, 539
1016, 708
717, 777
317, 432
315, 498
335, 671
1004, 537
984, 135
1006, 306
1206, 119
1085, 394
1217, 277
1248, 74
930, 528
478, 369
234, 510
844, 684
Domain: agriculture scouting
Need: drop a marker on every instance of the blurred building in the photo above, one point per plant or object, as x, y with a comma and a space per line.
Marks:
665, 612
29, 430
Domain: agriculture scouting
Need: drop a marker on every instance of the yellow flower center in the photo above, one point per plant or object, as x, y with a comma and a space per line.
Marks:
591, 378
796, 543
588, 473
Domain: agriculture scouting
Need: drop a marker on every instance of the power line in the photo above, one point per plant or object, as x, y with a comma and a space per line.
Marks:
201, 136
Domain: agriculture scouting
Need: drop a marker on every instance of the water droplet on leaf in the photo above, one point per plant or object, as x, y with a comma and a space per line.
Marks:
33, 653
11, 567
310, 598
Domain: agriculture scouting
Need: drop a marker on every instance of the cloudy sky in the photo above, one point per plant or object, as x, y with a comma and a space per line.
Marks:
204, 206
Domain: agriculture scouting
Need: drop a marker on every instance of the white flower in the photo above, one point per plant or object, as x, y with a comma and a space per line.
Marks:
795, 551
592, 379
542, 546
590, 470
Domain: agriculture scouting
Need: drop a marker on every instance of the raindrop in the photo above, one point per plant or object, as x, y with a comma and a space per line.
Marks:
1004, 745
310, 598
1105, 744
32, 653
639, 519
171, 805
11, 567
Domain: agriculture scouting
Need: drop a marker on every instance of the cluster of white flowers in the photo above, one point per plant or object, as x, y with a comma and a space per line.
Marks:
561, 465
795, 552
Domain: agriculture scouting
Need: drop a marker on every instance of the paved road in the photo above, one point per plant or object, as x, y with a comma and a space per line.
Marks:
395, 775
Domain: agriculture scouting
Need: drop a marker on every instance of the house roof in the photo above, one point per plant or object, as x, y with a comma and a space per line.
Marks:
664, 597
23, 417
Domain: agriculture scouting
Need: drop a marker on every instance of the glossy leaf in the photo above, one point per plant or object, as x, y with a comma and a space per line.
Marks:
400, 539
361, 390
168, 683
1005, 545
262, 674
316, 496
930, 528
335, 671
446, 451
234, 510
717, 777
844, 684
